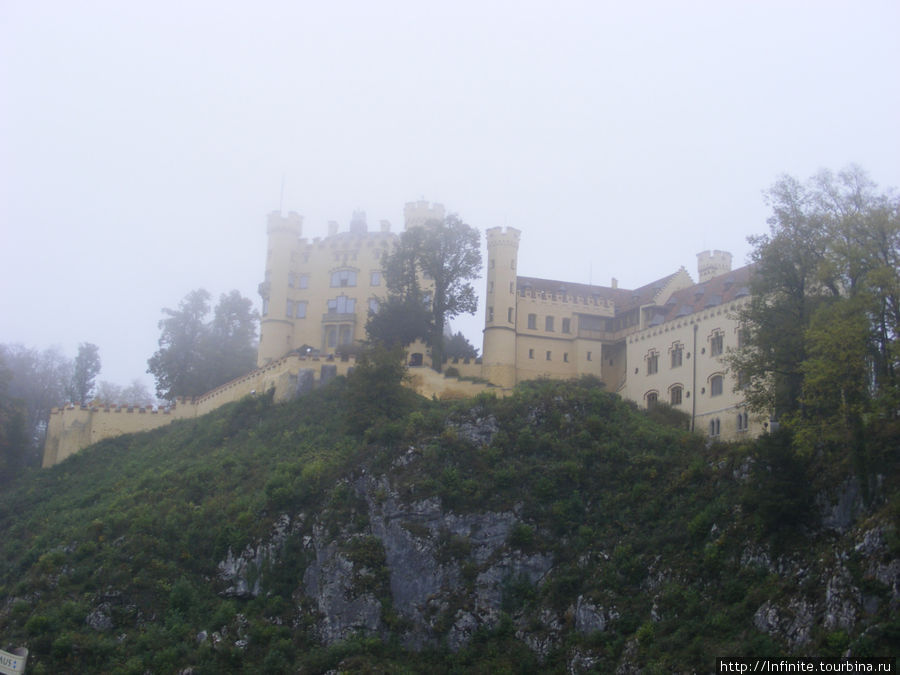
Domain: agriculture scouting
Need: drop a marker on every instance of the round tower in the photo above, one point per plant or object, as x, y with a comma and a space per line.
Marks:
711, 264
276, 327
499, 346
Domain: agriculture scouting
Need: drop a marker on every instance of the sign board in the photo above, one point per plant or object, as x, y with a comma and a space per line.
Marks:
13, 663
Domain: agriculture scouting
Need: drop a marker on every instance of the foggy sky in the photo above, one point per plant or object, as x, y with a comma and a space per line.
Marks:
143, 144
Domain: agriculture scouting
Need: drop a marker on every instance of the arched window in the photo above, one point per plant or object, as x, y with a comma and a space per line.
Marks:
715, 385
714, 427
652, 399
677, 352
675, 394
717, 343
652, 362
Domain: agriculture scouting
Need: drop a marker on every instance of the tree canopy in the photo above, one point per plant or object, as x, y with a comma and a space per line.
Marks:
456, 346
446, 253
820, 348
37, 381
196, 354
84, 372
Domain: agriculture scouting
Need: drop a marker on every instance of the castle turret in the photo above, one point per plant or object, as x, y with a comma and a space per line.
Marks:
275, 327
419, 213
499, 347
711, 264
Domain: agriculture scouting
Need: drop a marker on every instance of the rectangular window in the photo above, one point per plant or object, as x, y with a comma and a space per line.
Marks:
342, 305
567, 325
343, 278
548, 356
512, 287
652, 363
565, 357
588, 356
303, 281
548, 324
373, 306
345, 337
375, 278
715, 345
509, 315
532, 321
677, 356
300, 309
265, 307
715, 386
530, 353
490, 313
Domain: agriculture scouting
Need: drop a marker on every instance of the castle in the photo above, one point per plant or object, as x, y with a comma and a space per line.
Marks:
662, 342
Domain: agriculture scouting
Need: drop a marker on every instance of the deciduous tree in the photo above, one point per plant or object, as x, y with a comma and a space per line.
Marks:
38, 380
820, 349
446, 254
84, 372
194, 355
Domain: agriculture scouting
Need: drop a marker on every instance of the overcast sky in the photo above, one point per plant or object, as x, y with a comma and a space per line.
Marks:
143, 143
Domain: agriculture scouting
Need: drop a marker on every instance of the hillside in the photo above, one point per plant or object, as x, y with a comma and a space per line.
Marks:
558, 530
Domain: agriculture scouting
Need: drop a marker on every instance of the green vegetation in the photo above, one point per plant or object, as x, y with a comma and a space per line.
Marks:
109, 561
820, 349
196, 355
446, 252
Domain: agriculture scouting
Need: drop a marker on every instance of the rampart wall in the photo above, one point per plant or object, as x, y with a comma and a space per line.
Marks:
71, 428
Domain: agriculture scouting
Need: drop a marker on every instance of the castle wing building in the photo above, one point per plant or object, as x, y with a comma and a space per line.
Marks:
664, 342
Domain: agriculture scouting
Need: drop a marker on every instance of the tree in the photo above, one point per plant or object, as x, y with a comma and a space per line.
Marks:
14, 445
178, 365
231, 342
375, 394
820, 332
445, 253
135, 394
85, 371
399, 322
195, 356
38, 381
458, 347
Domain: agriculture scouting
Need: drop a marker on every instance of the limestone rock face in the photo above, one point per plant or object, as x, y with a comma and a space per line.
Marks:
418, 572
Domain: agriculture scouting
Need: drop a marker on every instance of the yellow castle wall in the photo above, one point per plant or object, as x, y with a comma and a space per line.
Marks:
694, 333
70, 429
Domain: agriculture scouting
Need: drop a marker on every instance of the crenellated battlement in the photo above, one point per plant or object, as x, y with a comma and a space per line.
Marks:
420, 212
71, 428
711, 264
578, 302
291, 224
502, 236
